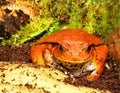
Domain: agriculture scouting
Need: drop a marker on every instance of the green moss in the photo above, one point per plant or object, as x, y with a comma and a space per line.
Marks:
94, 16
31, 30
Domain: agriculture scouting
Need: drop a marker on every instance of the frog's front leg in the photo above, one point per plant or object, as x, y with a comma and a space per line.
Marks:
38, 51
36, 54
98, 62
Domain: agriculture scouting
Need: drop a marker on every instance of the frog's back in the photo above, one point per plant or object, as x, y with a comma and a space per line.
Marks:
70, 35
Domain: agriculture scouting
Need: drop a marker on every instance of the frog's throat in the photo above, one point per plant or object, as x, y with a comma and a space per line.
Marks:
75, 61
71, 63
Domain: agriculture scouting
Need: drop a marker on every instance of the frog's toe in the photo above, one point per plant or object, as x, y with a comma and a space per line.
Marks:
93, 76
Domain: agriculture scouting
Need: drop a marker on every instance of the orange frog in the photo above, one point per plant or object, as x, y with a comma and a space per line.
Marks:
72, 51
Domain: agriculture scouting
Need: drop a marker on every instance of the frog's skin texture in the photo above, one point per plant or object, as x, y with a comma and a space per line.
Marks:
73, 51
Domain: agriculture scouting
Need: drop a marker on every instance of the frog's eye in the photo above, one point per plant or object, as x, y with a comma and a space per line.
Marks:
88, 49
62, 49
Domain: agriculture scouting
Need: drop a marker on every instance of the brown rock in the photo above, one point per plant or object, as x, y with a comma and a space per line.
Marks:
114, 46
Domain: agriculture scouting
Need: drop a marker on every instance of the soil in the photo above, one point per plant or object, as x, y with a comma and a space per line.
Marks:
15, 53
108, 80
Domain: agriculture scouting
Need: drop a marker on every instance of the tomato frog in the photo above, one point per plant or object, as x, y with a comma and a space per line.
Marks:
73, 51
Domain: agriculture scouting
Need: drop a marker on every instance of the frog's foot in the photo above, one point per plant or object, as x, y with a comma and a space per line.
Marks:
48, 57
95, 74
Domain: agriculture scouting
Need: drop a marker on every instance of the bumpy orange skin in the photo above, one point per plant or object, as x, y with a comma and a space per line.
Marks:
71, 46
